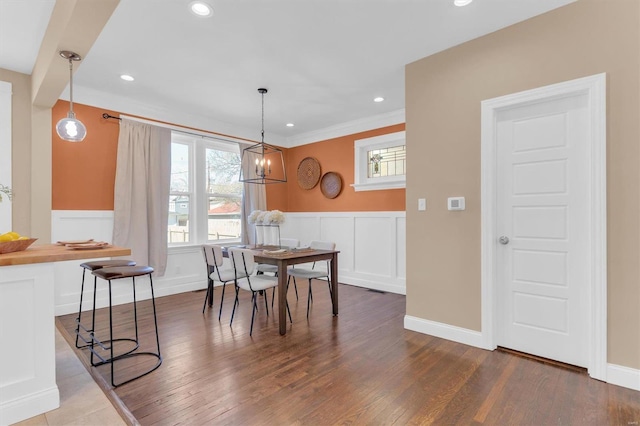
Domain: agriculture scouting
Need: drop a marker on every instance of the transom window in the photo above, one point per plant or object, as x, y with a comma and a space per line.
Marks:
380, 162
205, 197
386, 162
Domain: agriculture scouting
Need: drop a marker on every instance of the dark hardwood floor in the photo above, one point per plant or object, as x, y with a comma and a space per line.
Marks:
361, 367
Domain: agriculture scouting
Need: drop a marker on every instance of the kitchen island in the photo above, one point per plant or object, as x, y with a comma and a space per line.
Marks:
27, 327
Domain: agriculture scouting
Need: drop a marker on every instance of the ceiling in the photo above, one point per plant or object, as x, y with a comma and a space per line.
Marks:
323, 61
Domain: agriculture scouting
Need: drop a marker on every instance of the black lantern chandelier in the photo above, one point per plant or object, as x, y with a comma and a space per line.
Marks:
262, 163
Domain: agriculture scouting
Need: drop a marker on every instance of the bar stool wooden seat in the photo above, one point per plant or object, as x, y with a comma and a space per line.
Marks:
92, 266
98, 347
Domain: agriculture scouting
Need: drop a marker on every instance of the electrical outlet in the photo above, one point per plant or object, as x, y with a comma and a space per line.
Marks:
422, 204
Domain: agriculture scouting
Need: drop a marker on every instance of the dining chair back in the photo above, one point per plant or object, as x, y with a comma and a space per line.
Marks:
289, 242
245, 265
316, 270
286, 243
216, 271
273, 269
243, 260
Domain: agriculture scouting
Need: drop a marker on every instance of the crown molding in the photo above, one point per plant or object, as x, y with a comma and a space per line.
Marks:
129, 106
348, 128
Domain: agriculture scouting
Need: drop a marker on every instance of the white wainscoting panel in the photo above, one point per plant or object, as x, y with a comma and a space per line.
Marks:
376, 252
27, 359
371, 244
340, 230
401, 253
185, 265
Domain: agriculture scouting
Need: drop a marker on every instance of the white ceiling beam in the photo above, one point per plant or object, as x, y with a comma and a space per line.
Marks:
74, 25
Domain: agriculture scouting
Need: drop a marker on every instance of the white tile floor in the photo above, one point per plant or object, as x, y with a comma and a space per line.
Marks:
82, 402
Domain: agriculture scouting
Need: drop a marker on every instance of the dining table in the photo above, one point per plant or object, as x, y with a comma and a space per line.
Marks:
295, 256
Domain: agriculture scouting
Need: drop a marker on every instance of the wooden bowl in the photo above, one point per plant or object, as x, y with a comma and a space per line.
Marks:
17, 245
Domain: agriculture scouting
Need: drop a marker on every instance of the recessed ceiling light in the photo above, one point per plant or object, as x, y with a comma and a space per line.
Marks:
378, 99
461, 2
127, 77
201, 8
290, 124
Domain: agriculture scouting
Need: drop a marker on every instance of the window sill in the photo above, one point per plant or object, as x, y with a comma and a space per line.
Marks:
196, 247
377, 186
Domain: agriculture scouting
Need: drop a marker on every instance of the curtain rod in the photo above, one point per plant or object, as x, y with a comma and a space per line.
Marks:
221, 137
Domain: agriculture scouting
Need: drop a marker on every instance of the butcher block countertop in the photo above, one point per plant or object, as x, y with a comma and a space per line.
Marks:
55, 253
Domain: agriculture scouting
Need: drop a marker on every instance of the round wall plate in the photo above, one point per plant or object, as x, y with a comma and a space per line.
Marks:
331, 184
308, 173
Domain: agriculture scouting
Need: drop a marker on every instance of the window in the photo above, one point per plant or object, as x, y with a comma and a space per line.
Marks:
205, 197
380, 162
180, 191
223, 192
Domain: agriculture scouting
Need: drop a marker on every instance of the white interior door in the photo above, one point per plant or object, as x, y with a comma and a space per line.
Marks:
542, 219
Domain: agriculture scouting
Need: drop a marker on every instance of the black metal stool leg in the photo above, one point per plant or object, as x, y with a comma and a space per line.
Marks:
78, 319
111, 334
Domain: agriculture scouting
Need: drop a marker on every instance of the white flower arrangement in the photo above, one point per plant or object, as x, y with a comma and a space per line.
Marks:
273, 217
253, 217
259, 217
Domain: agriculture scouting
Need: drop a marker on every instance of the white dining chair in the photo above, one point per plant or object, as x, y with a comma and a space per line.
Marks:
317, 270
217, 270
245, 266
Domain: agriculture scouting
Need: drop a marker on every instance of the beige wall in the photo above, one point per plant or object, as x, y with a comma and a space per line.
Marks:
21, 149
443, 95
33, 97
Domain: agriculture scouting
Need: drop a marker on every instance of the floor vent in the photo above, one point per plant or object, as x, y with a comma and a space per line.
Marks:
376, 291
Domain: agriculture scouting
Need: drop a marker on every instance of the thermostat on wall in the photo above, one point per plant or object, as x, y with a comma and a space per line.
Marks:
455, 203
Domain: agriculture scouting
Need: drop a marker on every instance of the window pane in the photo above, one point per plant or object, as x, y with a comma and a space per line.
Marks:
179, 218
224, 194
386, 162
223, 218
223, 171
179, 167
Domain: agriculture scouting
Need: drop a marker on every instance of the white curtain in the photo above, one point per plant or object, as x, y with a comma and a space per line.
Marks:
254, 197
141, 205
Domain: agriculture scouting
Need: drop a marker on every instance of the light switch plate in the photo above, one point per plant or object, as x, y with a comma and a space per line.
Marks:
422, 204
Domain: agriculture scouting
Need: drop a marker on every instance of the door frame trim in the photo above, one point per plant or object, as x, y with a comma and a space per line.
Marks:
595, 89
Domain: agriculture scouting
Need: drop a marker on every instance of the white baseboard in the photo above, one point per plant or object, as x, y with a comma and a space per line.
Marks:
29, 406
445, 331
346, 278
616, 374
623, 376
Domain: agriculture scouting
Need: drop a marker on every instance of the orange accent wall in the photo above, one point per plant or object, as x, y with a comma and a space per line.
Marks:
334, 155
83, 173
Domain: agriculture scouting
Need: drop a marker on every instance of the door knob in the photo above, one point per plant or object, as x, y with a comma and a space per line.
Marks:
503, 240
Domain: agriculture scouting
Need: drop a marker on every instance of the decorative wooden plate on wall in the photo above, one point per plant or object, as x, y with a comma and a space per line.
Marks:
308, 173
331, 184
